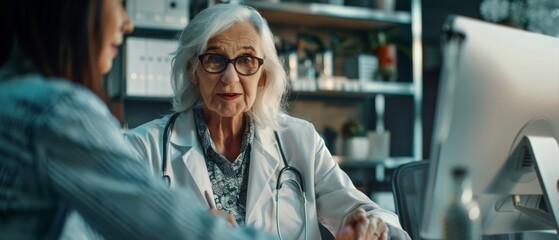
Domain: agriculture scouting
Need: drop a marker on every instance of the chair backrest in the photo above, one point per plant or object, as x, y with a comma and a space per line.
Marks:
408, 186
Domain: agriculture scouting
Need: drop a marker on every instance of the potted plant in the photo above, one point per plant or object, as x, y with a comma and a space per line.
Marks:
355, 143
386, 51
387, 59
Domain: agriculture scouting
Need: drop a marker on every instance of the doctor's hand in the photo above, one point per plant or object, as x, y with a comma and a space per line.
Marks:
360, 225
227, 215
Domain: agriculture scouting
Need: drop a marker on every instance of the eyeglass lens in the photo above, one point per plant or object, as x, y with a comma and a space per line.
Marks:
244, 65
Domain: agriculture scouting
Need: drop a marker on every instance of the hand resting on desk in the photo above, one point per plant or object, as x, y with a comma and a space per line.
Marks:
360, 225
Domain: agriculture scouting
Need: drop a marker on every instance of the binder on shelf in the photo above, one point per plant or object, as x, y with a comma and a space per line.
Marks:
135, 67
148, 67
159, 14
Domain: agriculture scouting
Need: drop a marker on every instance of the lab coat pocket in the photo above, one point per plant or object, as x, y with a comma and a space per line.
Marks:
290, 211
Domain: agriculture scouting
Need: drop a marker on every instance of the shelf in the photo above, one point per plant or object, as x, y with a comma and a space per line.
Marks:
154, 33
148, 98
356, 90
351, 88
389, 88
327, 15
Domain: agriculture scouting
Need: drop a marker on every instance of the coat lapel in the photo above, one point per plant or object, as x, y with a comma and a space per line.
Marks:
189, 158
264, 162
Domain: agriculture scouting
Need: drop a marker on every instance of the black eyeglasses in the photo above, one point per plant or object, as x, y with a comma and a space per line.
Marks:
244, 65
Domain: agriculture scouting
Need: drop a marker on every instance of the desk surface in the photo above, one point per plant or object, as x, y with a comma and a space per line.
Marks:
390, 162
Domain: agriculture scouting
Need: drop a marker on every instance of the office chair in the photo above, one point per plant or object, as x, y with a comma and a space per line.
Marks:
408, 186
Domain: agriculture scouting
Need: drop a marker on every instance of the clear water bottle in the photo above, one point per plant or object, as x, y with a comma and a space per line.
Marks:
462, 220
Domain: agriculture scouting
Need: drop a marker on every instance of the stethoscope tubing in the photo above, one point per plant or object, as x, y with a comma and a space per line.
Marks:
279, 184
165, 148
287, 167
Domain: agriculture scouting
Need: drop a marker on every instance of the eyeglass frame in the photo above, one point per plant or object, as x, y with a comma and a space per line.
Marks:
230, 60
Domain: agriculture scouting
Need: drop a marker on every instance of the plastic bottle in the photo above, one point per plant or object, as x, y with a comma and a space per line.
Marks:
462, 220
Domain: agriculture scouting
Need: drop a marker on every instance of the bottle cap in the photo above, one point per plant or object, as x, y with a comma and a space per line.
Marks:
459, 171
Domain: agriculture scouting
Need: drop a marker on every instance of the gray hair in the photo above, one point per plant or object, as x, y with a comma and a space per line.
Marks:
269, 102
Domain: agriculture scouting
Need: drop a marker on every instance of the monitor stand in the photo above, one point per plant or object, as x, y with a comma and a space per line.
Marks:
545, 152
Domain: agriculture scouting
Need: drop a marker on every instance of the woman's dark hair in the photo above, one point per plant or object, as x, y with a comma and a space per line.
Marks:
61, 38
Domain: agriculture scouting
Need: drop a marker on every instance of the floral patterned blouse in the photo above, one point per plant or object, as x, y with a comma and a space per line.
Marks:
229, 180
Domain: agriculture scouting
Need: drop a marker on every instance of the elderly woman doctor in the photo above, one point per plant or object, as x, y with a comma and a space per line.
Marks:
230, 138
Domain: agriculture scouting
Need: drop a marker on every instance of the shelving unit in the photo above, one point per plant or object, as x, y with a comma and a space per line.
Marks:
327, 15
366, 89
320, 17
324, 16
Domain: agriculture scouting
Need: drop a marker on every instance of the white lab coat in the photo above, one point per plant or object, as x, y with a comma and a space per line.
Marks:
330, 193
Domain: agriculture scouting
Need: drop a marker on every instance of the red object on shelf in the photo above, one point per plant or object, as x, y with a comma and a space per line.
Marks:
387, 59
386, 55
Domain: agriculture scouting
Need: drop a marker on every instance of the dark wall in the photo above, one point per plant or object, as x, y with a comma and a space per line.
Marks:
434, 14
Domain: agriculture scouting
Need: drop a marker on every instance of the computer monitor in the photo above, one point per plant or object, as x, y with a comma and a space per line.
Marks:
497, 116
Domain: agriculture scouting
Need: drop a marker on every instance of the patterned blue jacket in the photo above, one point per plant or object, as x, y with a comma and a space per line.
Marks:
62, 153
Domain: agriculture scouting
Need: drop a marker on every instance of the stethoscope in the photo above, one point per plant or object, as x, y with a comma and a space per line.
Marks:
299, 184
